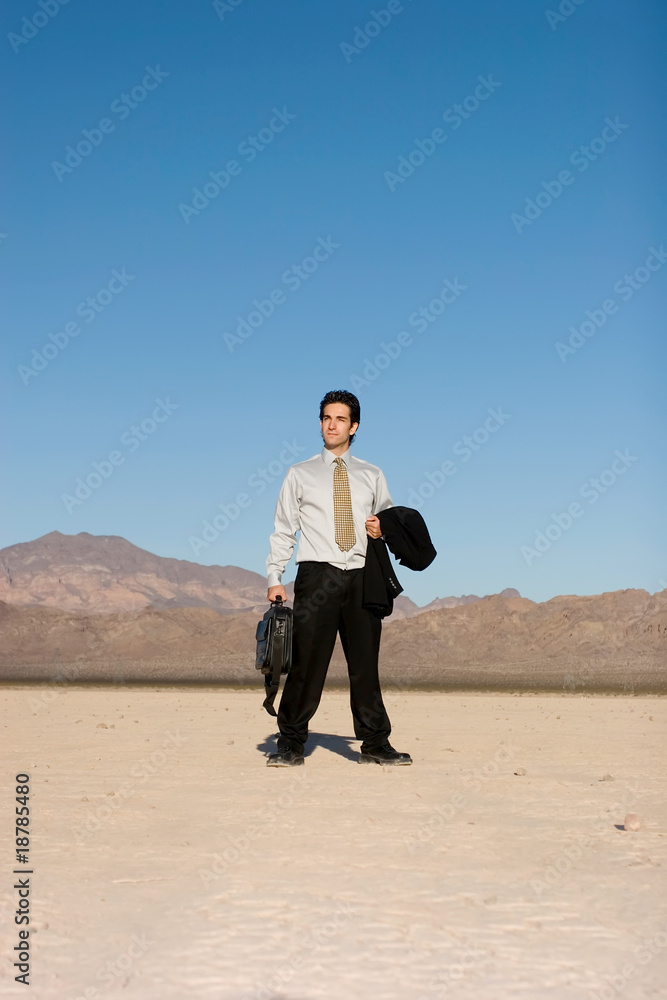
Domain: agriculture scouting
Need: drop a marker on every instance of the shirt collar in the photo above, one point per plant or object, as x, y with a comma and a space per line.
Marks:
329, 458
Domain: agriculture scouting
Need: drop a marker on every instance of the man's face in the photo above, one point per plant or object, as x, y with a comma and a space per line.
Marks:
336, 425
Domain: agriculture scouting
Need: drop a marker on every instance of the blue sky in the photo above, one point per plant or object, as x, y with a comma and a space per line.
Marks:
537, 199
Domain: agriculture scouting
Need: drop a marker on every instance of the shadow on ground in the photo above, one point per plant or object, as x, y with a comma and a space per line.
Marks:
341, 745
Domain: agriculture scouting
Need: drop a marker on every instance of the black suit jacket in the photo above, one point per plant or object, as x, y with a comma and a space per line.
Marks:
406, 535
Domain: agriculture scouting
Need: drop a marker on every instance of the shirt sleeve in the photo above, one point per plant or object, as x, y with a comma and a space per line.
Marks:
283, 539
382, 497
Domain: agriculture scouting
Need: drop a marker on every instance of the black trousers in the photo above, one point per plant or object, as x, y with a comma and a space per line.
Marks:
327, 601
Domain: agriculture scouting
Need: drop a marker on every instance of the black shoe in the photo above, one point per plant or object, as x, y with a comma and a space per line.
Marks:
384, 754
285, 758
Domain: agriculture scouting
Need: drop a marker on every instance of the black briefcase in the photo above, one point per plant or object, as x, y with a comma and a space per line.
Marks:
274, 648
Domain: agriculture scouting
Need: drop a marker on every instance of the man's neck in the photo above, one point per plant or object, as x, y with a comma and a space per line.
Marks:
339, 450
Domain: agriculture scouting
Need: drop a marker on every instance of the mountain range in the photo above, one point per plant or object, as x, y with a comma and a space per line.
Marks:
86, 608
106, 573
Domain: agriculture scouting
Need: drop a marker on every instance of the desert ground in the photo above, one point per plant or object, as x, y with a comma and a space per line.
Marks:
168, 862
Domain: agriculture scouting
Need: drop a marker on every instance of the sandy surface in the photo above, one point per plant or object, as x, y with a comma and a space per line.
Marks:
169, 863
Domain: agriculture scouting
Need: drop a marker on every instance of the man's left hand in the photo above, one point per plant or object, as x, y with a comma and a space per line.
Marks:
373, 527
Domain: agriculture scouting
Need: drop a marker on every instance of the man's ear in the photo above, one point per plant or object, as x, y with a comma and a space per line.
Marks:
353, 429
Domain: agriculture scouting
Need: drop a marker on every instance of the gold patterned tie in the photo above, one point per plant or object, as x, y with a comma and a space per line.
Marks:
343, 520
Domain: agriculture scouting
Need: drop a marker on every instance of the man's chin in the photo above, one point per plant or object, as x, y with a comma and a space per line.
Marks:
334, 440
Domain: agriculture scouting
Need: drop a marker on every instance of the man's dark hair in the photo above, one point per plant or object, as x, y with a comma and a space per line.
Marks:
350, 400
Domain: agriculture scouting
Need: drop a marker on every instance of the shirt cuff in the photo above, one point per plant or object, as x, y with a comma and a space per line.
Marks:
274, 579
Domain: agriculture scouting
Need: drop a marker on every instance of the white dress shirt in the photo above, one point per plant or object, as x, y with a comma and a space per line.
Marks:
306, 504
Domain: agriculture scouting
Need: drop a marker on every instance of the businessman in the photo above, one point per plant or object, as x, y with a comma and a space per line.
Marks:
332, 499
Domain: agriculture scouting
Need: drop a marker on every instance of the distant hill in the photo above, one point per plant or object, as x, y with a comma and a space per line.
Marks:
85, 607
106, 573
613, 641
457, 602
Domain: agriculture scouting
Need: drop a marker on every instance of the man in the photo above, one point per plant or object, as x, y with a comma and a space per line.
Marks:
332, 499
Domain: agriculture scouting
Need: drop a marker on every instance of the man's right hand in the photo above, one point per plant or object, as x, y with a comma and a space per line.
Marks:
278, 591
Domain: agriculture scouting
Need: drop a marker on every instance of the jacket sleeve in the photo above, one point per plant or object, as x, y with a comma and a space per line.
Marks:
283, 539
382, 497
